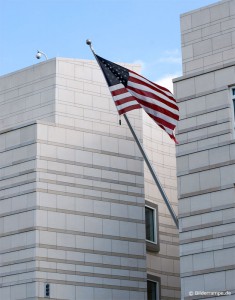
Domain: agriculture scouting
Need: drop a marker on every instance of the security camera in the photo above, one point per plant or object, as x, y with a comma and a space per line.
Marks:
38, 55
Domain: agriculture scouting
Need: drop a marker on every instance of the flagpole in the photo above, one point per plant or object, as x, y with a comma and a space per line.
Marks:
146, 159
153, 173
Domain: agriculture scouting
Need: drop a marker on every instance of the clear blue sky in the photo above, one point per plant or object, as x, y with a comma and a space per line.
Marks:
146, 31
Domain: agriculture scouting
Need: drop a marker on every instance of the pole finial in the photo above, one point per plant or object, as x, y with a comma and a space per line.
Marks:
89, 43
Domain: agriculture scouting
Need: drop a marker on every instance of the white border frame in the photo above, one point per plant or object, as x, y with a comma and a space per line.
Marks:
155, 225
157, 288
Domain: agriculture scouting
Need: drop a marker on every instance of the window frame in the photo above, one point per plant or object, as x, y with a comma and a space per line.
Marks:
156, 280
150, 245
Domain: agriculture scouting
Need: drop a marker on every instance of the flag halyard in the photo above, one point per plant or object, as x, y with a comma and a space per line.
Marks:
132, 91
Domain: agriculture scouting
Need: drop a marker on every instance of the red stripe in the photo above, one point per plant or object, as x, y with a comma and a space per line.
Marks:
157, 85
173, 138
125, 100
162, 122
159, 109
129, 108
153, 96
135, 80
119, 92
170, 135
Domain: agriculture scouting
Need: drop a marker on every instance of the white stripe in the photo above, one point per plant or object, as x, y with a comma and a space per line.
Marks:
116, 87
153, 101
127, 104
147, 89
121, 96
151, 83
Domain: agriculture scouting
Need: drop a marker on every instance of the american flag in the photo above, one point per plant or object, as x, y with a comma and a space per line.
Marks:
132, 91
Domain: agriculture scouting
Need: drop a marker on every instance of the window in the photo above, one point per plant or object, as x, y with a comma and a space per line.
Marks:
233, 100
151, 226
153, 287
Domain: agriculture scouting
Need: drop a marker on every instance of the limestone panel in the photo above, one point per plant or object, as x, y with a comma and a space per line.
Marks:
205, 160
209, 32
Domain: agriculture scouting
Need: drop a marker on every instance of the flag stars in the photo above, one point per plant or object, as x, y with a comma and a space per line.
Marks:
114, 74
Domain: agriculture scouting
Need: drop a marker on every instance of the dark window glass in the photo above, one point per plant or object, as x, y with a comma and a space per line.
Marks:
152, 290
233, 91
150, 224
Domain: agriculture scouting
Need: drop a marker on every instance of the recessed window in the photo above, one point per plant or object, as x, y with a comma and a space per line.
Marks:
153, 287
233, 104
151, 226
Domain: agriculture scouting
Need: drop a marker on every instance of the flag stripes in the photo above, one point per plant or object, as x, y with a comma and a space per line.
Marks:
151, 93
148, 101
160, 88
132, 91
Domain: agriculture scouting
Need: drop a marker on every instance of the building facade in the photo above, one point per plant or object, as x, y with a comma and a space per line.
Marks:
73, 191
206, 153
164, 262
